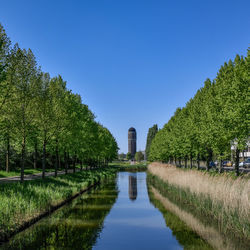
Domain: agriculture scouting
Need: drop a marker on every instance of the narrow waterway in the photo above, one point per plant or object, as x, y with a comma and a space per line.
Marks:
121, 213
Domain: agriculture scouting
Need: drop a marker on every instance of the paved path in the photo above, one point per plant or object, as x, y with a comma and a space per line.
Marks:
34, 176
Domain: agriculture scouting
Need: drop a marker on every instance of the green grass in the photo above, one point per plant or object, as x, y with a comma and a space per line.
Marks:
20, 203
126, 166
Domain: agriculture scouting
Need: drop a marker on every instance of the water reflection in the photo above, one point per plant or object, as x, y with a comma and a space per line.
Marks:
190, 229
132, 187
137, 224
75, 226
151, 221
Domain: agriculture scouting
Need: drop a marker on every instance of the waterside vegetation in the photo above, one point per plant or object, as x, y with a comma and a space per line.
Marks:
21, 204
75, 226
127, 166
190, 231
220, 198
186, 235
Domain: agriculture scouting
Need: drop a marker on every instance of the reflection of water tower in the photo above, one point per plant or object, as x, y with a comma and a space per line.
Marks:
132, 142
132, 188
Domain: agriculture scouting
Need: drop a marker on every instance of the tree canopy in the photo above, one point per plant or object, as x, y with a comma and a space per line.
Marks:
214, 119
151, 134
42, 122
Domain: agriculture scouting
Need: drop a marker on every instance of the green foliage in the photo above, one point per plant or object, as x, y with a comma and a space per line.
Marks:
151, 134
19, 203
139, 156
211, 121
43, 122
129, 156
121, 156
64, 230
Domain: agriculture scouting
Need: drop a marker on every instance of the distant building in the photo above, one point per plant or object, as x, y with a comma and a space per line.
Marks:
132, 142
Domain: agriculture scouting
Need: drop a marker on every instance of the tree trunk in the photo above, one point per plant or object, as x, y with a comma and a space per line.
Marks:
237, 160
68, 161
81, 165
220, 166
198, 162
23, 158
179, 163
44, 159
57, 158
207, 164
59, 161
65, 162
8, 154
209, 159
185, 162
35, 156
74, 163
191, 161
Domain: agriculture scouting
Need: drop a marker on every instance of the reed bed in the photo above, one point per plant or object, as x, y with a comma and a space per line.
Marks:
208, 233
224, 198
21, 203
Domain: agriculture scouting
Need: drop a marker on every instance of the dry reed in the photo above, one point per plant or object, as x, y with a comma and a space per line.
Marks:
233, 194
208, 233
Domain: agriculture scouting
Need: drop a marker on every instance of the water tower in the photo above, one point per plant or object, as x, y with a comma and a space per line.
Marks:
132, 142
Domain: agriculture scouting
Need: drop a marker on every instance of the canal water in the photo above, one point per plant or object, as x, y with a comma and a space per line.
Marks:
122, 213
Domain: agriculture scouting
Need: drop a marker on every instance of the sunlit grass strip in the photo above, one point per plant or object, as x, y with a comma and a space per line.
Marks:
21, 203
222, 198
126, 166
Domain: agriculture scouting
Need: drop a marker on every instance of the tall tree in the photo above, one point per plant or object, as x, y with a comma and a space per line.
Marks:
139, 156
150, 136
22, 73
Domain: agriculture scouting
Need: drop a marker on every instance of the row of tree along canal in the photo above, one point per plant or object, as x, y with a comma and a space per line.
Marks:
213, 124
42, 123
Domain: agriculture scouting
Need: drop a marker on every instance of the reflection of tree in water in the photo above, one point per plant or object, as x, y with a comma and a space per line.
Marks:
75, 226
191, 230
132, 187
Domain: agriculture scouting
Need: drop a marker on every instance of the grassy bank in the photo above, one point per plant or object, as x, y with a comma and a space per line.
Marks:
22, 203
126, 166
219, 198
77, 225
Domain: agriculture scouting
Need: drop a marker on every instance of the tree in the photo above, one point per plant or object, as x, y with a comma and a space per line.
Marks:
121, 156
151, 134
40, 116
129, 156
21, 74
216, 117
139, 156
4, 53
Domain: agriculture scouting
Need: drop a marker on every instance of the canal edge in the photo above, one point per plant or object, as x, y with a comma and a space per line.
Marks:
42, 215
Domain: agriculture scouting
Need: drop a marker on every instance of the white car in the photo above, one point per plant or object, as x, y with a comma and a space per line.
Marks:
245, 164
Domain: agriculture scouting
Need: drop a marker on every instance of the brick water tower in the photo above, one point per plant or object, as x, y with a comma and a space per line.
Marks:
132, 142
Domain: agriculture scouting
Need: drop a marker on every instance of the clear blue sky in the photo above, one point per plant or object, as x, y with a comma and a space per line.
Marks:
133, 62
